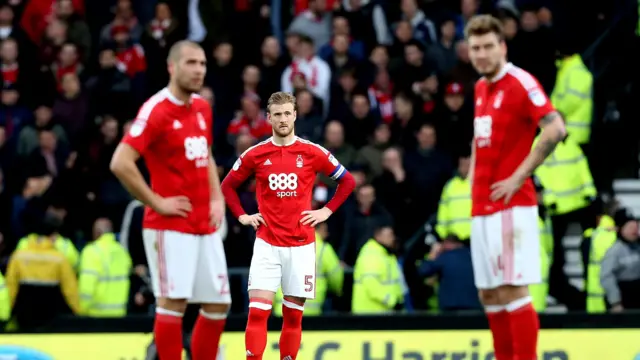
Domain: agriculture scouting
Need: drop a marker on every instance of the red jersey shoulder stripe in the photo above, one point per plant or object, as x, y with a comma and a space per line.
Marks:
147, 108
525, 79
264, 142
307, 142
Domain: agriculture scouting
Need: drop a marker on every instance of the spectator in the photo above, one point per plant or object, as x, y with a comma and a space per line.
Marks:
124, 16
156, 40
78, 31
13, 115
272, 65
222, 76
341, 27
314, 23
110, 88
250, 81
406, 122
368, 19
251, 121
361, 223
429, 167
71, 108
380, 95
620, 272
36, 15
15, 70
309, 123
395, 191
377, 278
423, 28
334, 142
454, 120
28, 139
311, 68
339, 57
371, 154
35, 304
443, 52
360, 123
67, 62
341, 94
403, 34
104, 274
450, 262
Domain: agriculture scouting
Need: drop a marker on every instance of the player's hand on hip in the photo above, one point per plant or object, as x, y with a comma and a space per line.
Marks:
315, 217
173, 206
216, 212
254, 220
505, 189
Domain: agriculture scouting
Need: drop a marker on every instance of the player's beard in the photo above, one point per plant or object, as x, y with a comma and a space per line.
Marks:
280, 132
189, 88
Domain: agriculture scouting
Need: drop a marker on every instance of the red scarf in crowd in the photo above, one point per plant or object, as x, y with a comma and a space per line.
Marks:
295, 70
302, 5
159, 27
10, 73
385, 103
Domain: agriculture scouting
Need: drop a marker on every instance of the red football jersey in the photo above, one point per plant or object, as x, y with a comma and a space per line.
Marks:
285, 176
174, 139
507, 111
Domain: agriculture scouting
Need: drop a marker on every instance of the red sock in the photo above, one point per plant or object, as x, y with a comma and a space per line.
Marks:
291, 334
524, 329
255, 337
206, 336
167, 331
501, 330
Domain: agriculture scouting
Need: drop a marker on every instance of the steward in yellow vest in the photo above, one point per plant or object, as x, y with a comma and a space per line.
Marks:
62, 244
454, 210
329, 276
566, 178
40, 280
5, 302
105, 267
573, 97
540, 291
602, 238
377, 281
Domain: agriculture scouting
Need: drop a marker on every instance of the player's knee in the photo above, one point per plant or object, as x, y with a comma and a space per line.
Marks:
262, 294
217, 309
510, 293
176, 305
295, 300
489, 296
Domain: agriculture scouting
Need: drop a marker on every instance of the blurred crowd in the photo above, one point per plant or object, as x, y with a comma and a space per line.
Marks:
386, 86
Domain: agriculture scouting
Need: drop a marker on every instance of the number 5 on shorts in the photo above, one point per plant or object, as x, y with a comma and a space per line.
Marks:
308, 283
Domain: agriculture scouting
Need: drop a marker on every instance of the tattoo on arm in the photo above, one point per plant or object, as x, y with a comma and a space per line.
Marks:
550, 138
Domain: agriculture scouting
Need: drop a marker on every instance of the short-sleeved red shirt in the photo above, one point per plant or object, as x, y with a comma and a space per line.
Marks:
285, 176
507, 111
174, 139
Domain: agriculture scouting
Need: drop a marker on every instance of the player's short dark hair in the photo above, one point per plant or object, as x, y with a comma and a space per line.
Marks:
484, 24
280, 98
176, 49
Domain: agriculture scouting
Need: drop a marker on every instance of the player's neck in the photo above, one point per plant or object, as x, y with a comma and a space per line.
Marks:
283, 141
498, 73
182, 96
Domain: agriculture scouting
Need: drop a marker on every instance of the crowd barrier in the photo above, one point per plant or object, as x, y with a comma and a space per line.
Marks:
423, 337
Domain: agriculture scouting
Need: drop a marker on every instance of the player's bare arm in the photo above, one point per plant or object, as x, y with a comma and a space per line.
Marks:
229, 188
216, 208
553, 131
472, 164
346, 184
123, 165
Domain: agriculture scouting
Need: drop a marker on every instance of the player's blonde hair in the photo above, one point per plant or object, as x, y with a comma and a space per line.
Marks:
482, 25
280, 98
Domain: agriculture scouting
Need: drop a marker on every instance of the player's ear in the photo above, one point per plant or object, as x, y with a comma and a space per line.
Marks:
295, 115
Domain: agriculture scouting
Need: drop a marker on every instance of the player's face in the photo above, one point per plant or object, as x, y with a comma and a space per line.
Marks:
487, 53
190, 70
281, 118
